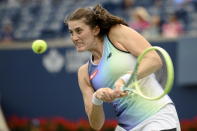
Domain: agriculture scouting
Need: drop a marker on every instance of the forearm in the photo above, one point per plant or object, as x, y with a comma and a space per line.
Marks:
95, 113
146, 67
149, 66
96, 117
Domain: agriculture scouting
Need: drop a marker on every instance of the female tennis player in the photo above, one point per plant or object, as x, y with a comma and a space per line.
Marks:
114, 47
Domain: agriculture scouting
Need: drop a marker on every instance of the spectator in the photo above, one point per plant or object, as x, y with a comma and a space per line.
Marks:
194, 2
12, 4
140, 19
154, 31
7, 33
180, 8
126, 6
173, 28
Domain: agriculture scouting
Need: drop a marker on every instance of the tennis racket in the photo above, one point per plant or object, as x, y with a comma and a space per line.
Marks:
164, 77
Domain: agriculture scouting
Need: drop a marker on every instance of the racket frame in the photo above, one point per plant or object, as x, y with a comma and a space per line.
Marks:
132, 86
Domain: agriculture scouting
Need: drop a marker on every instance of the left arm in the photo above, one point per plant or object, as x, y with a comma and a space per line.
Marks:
129, 40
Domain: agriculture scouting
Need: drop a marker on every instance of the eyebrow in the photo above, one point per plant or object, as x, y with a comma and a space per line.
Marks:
77, 28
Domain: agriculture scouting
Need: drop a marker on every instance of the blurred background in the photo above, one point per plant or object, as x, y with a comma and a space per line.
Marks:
41, 93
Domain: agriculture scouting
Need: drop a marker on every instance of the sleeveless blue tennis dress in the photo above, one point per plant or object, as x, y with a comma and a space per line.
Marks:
132, 109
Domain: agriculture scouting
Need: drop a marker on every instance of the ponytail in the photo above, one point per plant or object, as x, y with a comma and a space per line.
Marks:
106, 20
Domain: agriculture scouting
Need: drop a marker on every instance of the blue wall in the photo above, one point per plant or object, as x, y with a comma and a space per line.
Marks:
46, 85
29, 89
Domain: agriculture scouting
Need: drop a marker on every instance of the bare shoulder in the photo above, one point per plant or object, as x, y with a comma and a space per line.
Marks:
128, 39
83, 76
83, 70
117, 35
120, 30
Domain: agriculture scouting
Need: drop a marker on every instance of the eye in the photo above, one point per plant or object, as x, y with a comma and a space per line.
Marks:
70, 31
78, 30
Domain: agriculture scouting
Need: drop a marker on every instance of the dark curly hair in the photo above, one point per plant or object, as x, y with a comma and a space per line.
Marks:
96, 16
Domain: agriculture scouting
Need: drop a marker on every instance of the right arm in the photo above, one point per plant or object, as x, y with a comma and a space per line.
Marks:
95, 113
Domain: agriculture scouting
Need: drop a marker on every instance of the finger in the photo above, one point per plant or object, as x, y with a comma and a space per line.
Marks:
117, 93
120, 93
107, 95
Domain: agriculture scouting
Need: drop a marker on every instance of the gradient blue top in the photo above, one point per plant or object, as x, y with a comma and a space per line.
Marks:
132, 109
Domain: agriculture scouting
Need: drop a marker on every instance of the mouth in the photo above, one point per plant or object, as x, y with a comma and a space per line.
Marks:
79, 45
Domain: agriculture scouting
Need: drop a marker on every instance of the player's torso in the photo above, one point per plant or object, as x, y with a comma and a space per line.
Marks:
112, 65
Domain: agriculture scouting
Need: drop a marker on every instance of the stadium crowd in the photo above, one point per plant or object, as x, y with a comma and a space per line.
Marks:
31, 19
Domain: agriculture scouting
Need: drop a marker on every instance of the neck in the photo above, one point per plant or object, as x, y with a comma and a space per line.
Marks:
97, 51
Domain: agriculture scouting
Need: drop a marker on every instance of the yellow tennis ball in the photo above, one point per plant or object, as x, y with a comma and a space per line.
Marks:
39, 46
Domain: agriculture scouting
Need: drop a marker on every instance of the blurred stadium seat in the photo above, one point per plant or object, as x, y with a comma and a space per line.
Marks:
44, 18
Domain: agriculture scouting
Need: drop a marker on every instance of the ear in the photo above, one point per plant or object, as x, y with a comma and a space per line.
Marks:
96, 30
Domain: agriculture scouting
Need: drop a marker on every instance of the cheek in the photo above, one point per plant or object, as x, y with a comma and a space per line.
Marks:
88, 37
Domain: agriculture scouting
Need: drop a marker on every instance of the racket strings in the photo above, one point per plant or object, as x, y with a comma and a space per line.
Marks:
161, 74
153, 85
157, 84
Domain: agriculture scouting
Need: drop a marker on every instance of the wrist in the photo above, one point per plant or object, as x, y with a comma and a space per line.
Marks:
96, 101
125, 77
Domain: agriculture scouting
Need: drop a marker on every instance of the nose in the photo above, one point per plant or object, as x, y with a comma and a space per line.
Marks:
75, 37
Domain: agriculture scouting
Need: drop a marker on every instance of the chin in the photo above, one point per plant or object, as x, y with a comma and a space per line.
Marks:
80, 49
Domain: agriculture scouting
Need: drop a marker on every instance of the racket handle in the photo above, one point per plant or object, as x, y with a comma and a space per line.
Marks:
125, 89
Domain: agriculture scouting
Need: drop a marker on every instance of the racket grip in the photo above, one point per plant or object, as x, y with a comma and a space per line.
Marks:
125, 89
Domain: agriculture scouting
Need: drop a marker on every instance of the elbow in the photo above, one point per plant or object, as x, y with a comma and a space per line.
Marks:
95, 128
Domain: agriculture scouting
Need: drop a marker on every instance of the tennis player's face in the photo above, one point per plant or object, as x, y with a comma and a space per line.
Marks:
82, 35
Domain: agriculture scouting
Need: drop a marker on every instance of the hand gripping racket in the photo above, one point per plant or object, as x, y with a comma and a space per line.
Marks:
167, 72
